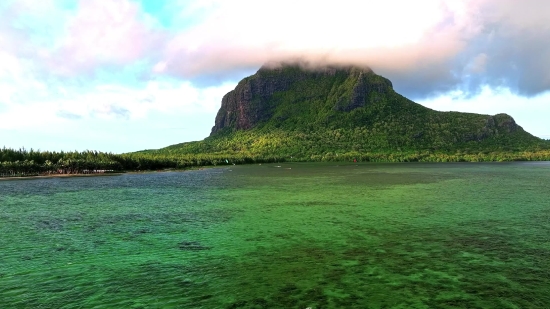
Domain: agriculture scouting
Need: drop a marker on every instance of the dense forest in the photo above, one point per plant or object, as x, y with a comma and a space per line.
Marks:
22, 162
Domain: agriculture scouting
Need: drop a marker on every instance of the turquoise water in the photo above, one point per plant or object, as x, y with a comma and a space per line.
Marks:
295, 236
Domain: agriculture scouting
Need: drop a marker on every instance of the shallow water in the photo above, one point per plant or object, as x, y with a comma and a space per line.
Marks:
295, 236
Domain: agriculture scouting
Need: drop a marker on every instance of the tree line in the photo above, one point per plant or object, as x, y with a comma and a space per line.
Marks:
22, 162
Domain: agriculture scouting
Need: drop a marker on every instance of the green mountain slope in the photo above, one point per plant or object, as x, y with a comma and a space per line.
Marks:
290, 113
330, 112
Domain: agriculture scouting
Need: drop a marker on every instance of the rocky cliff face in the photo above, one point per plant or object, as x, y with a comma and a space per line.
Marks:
243, 107
248, 104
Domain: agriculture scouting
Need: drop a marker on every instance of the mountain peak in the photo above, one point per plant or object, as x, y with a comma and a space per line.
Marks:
253, 100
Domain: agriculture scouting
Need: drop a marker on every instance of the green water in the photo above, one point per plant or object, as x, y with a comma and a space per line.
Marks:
294, 236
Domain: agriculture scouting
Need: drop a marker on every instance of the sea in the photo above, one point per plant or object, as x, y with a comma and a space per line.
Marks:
281, 235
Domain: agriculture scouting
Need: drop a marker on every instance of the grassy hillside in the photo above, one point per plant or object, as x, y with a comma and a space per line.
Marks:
351, 113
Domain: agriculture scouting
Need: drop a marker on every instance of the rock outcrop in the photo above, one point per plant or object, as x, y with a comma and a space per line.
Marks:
243, 107
247, 105
494, 125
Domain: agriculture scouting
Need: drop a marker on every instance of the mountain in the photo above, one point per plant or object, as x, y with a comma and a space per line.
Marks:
311, 113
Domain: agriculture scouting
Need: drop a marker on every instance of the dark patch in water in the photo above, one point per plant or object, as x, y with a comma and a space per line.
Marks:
192, 246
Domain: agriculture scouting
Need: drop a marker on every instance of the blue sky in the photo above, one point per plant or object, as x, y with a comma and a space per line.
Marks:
127, 75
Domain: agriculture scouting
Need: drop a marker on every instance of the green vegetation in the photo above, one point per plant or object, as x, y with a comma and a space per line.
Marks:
22, 162
17, 163
291, 114
351, 114
32, 163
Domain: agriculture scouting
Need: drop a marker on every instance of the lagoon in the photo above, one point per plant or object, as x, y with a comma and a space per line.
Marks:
287, 235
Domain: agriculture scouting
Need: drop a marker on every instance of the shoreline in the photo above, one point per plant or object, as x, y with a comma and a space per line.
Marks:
199, 168
59, 176
102, 174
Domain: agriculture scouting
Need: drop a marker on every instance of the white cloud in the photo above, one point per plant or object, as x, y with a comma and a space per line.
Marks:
110, 102
110, 117
104, 33
388, 33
